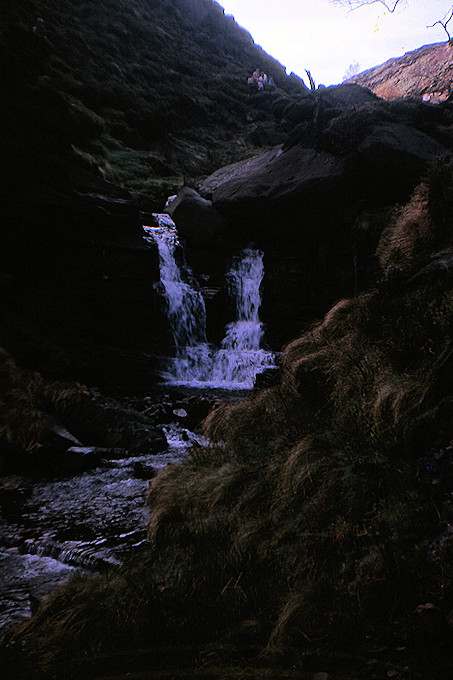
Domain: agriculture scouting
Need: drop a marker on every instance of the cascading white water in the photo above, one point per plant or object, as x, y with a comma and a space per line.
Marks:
185, 305
238, 361
240, 358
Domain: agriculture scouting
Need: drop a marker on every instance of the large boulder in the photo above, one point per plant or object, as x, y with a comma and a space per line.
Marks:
398, 152
299, 202
203, 229
198, 222
279, 175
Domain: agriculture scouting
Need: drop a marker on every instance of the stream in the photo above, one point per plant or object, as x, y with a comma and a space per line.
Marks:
54, 526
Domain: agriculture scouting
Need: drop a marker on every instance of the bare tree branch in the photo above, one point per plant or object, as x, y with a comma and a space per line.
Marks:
444, 22
390, 5
310, 78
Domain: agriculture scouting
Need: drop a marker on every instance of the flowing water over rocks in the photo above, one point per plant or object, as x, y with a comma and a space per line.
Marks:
52, 527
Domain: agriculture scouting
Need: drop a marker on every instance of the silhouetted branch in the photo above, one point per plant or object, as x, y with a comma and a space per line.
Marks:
444, 22
390, 6
310, 78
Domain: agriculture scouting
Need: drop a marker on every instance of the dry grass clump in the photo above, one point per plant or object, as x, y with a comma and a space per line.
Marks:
409, 234
421, 226
27, 404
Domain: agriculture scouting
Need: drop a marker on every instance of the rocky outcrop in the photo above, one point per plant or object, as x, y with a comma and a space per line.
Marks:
425, 73
299, 202
203, 229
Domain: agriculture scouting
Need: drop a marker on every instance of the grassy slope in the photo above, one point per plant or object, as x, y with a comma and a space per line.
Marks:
319, 523
146, 90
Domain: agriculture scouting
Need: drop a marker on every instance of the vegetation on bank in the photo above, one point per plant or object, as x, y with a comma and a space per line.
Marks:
29, 407
319, 521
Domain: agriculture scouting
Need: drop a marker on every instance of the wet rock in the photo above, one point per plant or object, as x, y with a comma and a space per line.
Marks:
114, 454
81, 458
180, 413
105, 422
196, 407
143, 470
72, 460
197, 220
203, 229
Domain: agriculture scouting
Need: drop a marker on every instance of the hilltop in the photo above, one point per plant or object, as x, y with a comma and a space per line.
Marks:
426, 73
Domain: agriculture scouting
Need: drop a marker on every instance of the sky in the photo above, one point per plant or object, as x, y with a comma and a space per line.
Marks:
326, 39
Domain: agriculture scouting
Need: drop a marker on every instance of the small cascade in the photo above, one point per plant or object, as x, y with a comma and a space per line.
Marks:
82, 554
185, 304
241, 358
197, 364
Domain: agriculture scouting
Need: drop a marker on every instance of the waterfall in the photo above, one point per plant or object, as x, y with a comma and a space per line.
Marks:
185, 305
240, 358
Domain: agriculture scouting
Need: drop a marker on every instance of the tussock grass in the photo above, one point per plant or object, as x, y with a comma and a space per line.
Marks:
27, 403
411, 231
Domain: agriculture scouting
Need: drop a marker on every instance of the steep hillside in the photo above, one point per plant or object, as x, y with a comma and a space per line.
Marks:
423, 73
102, 99
148, 90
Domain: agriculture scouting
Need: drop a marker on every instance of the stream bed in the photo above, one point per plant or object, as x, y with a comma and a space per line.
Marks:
51, 527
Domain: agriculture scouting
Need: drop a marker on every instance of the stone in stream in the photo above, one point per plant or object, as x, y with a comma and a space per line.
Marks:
143, 470
105, 422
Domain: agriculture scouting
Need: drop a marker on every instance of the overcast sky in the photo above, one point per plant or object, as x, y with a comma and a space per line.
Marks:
327, 39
